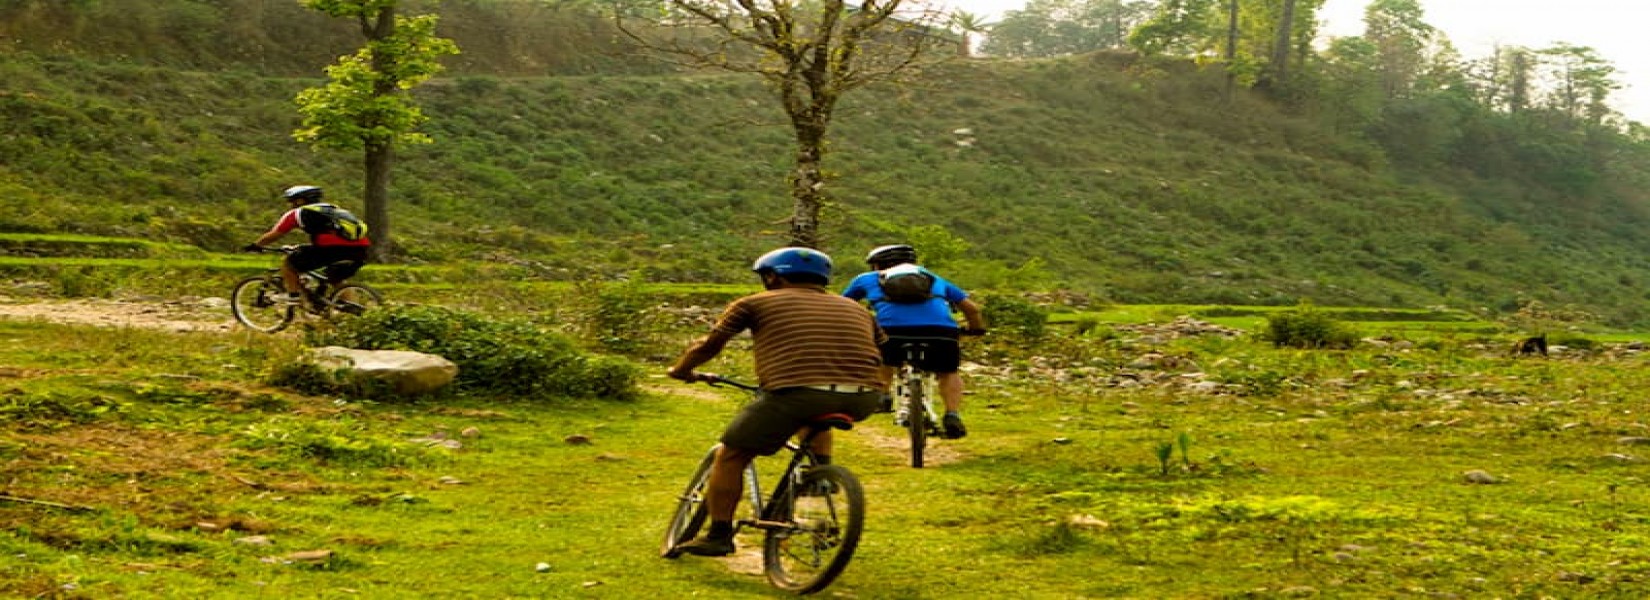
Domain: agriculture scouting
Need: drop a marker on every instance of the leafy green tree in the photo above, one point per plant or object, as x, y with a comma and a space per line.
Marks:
1254, 38
1402, 39
1582, 82
364, 105
1179, 28
810, 52
1059, 27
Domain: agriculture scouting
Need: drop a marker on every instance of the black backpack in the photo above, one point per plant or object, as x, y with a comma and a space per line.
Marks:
906, 284
325, 218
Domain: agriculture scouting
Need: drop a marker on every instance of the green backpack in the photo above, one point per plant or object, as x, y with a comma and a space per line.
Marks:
321, 218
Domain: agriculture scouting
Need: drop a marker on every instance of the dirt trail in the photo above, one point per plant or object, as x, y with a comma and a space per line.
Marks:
187, 314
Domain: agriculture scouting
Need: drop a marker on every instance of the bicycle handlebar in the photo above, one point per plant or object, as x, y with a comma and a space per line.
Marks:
718, 380
287, 249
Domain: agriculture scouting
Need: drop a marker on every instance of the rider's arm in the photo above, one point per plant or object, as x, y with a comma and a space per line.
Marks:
288, 222
971, 312
700, 352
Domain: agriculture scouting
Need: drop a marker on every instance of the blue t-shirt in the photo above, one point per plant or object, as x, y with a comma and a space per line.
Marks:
936, 312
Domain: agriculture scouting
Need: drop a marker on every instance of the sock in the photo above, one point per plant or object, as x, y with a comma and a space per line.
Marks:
720, 529
953, 413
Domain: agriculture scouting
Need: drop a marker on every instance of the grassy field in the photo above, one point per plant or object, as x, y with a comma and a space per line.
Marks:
1117, 463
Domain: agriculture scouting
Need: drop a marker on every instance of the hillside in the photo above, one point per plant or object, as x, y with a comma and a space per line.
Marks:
1104, 174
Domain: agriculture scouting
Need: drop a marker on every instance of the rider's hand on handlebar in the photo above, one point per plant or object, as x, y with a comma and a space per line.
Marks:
252, 248
693, 377
976, 331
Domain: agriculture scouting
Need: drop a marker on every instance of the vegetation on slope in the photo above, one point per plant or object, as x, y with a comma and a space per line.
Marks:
1137, 181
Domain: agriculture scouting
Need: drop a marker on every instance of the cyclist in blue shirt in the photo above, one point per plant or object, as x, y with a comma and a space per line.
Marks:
924, 317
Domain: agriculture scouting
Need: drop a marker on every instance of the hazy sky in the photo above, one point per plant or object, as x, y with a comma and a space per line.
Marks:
1614, 28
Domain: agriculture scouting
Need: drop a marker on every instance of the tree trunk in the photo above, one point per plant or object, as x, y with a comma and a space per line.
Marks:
1281, 46
377, 201
808, 185
1231, 47
378, 152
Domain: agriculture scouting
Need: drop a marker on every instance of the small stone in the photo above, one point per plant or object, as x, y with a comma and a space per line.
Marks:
1062, 440
310, 556
577, 439
542, 567
1481, 477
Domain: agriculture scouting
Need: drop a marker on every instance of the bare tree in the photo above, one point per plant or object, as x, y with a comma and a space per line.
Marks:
810, 53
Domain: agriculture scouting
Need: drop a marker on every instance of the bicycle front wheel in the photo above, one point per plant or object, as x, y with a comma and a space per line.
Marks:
691, 512
916, 420
354, 300
257, 304
827, 515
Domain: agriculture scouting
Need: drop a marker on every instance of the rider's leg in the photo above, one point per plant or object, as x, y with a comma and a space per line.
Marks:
289, 276
821, 445
727, 479
951, 390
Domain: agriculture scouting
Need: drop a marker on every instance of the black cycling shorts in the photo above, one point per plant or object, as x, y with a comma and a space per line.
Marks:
942, 354
310, 258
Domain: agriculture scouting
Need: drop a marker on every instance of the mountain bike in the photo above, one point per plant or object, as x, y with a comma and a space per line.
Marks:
914, 410
260, 302
812, 518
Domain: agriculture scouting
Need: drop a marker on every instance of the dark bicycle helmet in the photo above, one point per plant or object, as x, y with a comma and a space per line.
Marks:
307, 193
891, 255
794, 261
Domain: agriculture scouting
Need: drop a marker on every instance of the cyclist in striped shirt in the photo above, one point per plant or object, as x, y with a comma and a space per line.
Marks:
815, 353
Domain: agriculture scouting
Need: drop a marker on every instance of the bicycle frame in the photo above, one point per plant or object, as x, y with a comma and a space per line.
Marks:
910, 376
812, 518
253, 304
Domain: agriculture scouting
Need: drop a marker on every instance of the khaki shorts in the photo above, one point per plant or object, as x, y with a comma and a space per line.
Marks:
765, 424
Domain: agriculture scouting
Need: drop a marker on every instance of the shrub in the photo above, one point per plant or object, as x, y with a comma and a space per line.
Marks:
618, 316
504, 356
1014, 314
1307, 327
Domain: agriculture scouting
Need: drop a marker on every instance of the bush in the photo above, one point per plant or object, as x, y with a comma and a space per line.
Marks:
1014, 314
493, 355
1306, 327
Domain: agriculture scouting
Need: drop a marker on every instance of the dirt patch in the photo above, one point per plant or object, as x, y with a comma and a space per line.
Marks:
936, 453
188, 314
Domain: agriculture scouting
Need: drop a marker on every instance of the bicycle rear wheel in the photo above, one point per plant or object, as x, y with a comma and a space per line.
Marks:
257, 304
690, 513
916, 420
354, 299
822, 531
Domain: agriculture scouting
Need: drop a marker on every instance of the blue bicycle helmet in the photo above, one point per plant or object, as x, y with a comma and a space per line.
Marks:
794, 261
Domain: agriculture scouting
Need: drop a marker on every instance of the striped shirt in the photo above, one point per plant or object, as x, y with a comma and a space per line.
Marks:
806, 336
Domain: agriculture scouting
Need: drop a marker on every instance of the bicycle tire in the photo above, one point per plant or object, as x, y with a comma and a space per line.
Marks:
254, 303
822, 533
353, 300
916, 419
690, 513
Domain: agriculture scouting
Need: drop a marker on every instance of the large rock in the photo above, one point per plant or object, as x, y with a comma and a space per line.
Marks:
409, 373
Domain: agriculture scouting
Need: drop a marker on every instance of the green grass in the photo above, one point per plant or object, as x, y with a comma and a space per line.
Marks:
1338, 472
